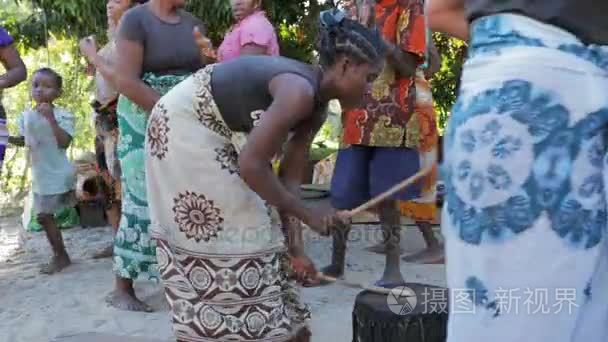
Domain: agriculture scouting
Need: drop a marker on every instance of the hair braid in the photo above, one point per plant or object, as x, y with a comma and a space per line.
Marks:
341, 36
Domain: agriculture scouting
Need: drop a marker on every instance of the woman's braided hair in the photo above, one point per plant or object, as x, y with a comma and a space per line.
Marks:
340, 35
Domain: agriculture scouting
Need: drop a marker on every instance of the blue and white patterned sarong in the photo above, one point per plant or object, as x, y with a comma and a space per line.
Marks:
525, 214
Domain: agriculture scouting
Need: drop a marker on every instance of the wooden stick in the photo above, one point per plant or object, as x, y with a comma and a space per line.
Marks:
383, 196
371, 288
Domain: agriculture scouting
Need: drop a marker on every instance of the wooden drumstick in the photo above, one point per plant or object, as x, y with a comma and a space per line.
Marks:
371, 288
347, 214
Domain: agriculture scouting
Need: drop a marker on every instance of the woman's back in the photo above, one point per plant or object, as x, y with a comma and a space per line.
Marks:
247, 78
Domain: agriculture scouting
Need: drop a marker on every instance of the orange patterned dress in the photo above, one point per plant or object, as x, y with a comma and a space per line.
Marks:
398, 111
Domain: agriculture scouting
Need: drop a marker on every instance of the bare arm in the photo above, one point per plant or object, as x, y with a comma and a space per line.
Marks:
127, 79
125, 73
294, 161
448, 16
293, 102
15, 69
434, 60
63, 138
404, 62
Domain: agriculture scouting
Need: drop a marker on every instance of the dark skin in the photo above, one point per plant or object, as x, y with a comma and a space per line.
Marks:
448, 16
293, 107
292, 104
45, 90
405, 63
14, 66
434, 61
125, 76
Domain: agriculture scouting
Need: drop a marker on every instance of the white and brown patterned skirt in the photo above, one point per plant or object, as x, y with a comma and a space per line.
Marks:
220, 247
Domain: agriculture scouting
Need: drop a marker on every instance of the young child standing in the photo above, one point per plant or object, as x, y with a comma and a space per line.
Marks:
47, 131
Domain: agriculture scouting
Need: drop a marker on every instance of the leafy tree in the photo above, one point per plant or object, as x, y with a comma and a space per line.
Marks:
445, 82
48, 32
295, 19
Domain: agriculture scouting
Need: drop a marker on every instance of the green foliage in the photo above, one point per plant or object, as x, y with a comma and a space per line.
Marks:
62, 22
63, 57
445, 82
295, 19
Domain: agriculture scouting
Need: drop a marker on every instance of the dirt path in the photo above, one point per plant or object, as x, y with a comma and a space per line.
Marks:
65, 306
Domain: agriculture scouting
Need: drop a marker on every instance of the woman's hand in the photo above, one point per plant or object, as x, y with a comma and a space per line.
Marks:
46, 110
88, 48
203, 43
324, 220
303, 268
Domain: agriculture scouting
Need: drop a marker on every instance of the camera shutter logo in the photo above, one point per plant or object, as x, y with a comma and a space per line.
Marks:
402, 300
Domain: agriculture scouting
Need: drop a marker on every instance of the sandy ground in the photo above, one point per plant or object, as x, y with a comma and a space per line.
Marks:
38, 308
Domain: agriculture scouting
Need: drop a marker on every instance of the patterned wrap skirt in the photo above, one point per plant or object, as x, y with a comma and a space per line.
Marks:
134, 251
221, 252
106, 143
525, 171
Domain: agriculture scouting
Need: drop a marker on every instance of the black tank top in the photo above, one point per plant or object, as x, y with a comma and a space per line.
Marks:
240, 87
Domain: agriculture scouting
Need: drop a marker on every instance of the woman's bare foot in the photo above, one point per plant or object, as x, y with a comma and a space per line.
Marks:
123, 300
431, 254
333, 270
57, 264
107, 252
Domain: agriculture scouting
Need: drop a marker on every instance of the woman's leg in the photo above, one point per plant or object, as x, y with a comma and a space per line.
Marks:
113, 215
124, 298
60, 258
433, 253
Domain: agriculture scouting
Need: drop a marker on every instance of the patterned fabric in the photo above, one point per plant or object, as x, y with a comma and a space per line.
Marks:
106, 143
134, 251
421, 131
221, 251
398, 111
254, 29
389, 105
111, 186
525, 170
